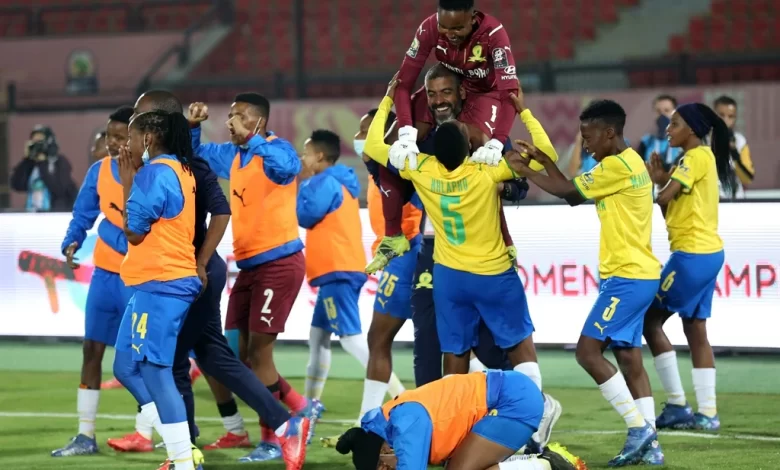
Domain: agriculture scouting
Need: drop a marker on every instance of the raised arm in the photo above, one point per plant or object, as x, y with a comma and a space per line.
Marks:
146, 200
86, 209
376, 148
539, 137
219, 156
424, 41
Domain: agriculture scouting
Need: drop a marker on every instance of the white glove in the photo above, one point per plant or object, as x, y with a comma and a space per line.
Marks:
489, 154
403, 153
407, 134
405, 150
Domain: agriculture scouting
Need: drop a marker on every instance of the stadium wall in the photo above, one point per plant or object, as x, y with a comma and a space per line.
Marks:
294, 120
557, 247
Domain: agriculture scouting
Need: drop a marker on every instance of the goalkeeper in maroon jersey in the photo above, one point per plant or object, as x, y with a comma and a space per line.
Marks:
476, 46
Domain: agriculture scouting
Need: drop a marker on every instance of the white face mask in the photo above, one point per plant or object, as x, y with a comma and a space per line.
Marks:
245, 145
145, 156
359, 145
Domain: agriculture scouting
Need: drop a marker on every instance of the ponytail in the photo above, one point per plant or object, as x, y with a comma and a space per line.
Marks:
178, 140
721, 147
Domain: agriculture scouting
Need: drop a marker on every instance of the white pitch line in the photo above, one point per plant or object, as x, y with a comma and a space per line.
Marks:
745, 437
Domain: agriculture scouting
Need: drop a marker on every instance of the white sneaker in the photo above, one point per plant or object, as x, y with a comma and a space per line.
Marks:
552, 412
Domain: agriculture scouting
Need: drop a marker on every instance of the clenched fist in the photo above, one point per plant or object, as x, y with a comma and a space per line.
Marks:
198, 113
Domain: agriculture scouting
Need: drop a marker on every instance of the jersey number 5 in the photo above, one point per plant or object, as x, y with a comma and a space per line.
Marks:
453, 222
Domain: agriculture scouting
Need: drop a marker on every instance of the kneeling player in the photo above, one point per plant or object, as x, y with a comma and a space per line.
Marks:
470, 422
328, 209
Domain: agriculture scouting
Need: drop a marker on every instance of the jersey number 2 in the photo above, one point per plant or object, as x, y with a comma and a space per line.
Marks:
453, 222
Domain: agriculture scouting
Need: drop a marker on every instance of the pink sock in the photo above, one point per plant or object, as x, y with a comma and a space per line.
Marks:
267, 435
294, 400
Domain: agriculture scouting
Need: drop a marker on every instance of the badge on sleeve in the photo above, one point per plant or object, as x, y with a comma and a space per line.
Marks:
500, 60
412, 52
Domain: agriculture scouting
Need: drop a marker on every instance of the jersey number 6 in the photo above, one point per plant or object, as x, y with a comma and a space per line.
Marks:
453, 222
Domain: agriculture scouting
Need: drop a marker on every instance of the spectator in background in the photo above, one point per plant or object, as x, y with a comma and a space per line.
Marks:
44, 174
664, 106
98, 149
726, 108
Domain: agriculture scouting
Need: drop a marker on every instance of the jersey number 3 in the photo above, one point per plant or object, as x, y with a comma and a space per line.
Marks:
453, 222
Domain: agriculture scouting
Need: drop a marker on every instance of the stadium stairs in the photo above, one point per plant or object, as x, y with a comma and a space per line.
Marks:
642, 31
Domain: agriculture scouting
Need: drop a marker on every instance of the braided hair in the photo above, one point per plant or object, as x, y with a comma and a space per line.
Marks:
173, 133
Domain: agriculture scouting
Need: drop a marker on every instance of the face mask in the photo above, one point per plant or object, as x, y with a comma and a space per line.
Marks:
145, 156
359, 145
245, 145
662, 122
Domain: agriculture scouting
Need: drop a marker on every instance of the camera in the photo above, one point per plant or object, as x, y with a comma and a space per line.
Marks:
40, 147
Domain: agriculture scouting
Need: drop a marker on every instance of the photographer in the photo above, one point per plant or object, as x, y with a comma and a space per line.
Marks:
44, 174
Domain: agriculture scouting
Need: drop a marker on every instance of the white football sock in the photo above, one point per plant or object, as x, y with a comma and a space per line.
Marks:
616, 392
86, 406
373, 395
524, 462
669, 373
395, 387
319, 363
234, 424
149, 411
475, 365
531, 370
176, 437
646, 407
143, 426
704, 387
357, 347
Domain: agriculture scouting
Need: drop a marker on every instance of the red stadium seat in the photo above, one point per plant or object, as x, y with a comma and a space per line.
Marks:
719, 9
564, 50
608, 11
705, 76
677, 44
719, 41
640, 79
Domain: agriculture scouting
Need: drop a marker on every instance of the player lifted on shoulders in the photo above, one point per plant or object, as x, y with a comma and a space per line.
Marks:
689, 201
476, 46
621, 187
475, 278
262, 170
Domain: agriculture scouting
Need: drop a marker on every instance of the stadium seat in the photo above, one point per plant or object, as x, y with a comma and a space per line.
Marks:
540, 30
733, 27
